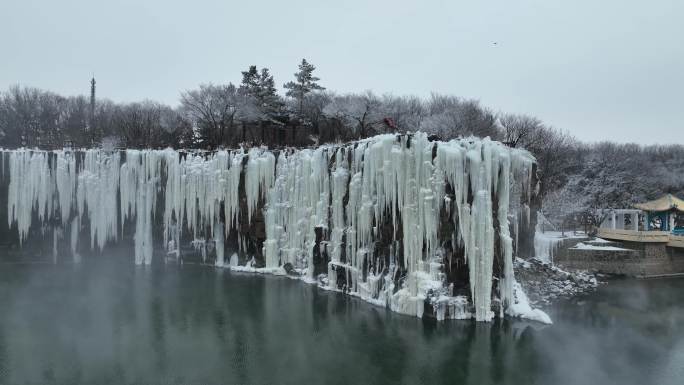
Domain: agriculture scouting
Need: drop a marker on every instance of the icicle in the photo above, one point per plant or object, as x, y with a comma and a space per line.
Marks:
340, 180
147, 174
231, 198
259, 177
219, 244
31, 188
65, 179
55, 237
297, 204
98, 183
75, 230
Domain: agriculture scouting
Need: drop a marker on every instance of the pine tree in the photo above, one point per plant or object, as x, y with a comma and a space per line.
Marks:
261, 87
304, 83
250, 81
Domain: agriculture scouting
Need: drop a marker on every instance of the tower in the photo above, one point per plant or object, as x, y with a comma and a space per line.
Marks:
92, 102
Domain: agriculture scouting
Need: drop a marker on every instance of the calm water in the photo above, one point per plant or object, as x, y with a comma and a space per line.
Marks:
100, 323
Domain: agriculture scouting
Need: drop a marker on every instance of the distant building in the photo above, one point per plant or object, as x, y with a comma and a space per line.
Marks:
621, 219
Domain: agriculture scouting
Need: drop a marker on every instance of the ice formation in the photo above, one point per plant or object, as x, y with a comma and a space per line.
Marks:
367, 218
521, 307
546, 243
544, 246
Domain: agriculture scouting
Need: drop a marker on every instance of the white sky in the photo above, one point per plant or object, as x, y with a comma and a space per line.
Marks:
602, 70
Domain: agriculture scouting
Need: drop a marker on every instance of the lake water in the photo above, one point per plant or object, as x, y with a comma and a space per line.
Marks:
113, 323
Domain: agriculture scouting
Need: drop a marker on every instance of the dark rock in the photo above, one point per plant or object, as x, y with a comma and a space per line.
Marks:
289, 269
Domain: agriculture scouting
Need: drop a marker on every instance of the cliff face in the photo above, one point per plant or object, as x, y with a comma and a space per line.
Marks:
422, 227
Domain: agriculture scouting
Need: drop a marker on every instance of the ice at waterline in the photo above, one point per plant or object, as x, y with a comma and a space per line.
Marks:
392, 218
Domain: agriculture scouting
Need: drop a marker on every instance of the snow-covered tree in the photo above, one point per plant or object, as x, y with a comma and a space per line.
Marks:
358, 113
451, 117
402, 113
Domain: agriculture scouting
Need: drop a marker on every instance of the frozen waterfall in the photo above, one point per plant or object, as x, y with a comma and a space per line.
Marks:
399, 220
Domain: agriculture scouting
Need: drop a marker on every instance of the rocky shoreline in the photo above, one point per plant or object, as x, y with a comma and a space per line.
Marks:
544, 283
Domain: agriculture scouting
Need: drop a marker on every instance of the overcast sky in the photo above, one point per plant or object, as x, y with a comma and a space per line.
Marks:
600, 69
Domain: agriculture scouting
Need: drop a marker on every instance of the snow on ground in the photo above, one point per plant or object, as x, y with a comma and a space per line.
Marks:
584, 246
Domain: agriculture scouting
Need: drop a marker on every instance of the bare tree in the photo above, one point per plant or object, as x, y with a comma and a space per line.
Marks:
74, 118
312, 113
140, 124
450, 117
403, 113
31, 117
359, 113
215, 109
520, 130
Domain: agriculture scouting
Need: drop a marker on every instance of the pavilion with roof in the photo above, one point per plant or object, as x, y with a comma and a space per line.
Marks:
664, 214
660, 221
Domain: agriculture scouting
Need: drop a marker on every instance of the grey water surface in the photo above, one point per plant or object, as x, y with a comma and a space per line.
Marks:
104, 322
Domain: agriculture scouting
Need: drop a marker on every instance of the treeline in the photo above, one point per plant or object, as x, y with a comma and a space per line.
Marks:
30, 117
252, 112
611, 175
575, 176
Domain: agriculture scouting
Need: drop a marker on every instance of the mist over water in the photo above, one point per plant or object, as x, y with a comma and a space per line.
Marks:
107, 321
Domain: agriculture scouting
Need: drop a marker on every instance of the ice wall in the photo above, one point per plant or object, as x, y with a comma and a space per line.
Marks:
387, 219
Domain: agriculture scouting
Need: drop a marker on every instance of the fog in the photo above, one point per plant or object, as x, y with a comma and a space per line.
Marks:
108, 321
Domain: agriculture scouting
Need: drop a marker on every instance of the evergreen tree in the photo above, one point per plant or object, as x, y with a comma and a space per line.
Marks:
250, 81
261, 87
304, 83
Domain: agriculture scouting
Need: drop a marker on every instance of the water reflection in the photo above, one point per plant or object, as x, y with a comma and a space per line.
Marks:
112, 323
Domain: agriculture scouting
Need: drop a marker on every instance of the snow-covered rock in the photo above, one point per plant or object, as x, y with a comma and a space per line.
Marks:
543, 282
